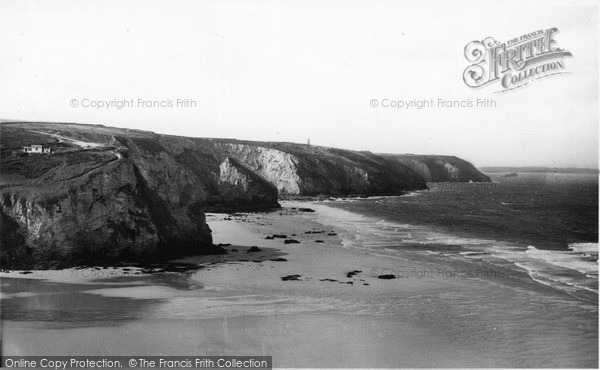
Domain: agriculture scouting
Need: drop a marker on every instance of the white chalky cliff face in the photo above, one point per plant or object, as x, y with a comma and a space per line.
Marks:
275, 166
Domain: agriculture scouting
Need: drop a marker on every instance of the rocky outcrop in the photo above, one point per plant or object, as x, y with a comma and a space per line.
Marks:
278, 167
244, 190
109, 215
107, 205
438, 168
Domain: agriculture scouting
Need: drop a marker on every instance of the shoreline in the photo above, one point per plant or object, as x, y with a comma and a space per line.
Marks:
318, 256
238, 232
285, 298
323, 267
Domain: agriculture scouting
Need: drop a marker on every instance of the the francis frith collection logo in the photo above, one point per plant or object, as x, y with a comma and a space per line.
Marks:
514, 63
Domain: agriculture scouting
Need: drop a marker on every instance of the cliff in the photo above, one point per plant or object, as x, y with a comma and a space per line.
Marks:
93, 209
297, 169
108, 195
95, 202
439, 168
244, 190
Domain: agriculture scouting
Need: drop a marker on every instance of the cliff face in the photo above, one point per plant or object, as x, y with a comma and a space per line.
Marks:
104, 205
110, 214
438, 168
108, 194
293, 169
296, 169
277, 167
243, 189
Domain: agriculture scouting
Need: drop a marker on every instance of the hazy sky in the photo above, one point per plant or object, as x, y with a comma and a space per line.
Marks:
291, 70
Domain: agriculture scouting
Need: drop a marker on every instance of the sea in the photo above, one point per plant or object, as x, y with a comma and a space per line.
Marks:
533, 227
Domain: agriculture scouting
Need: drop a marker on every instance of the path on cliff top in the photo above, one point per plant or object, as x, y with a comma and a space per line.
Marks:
82, 144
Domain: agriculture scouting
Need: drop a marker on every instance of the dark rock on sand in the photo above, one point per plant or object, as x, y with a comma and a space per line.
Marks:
352, 273
279, 260
387, 277
280, 236
181, 267
291, 278
291, 241
253, 249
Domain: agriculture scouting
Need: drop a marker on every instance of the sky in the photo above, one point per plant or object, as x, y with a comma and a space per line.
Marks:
296, 70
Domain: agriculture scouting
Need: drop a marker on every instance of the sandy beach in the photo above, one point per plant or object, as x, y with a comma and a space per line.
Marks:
315, 303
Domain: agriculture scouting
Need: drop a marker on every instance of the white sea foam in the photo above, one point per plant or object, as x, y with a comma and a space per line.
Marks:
588, 249
566, 270
413, 193
569, 270
571, 259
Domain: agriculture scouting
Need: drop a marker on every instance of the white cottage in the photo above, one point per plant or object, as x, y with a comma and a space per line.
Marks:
40, 149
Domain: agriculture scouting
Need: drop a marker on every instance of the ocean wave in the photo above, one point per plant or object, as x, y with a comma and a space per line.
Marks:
573, 259
570, 270
588, 249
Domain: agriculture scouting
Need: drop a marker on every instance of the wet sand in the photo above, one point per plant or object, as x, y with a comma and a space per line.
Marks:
238, 304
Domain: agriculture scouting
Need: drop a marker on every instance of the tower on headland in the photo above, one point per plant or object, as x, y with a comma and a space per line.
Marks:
308, 141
